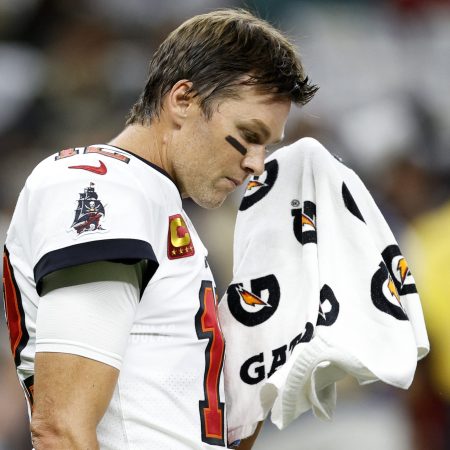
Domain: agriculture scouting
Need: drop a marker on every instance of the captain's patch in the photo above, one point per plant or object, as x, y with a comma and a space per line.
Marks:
179, 241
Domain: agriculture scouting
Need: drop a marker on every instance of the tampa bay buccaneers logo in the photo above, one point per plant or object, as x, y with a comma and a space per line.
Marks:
305, 222
255, 304
90, 212
259, 186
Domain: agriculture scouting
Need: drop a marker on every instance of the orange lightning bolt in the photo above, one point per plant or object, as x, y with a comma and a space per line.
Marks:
253, 184
403, 268
393, 289
307, 221
249, 298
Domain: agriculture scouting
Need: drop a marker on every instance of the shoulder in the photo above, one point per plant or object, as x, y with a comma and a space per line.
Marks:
76, 163
84, 192
113, 170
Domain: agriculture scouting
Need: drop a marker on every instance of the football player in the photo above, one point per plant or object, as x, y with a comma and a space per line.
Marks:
110, 301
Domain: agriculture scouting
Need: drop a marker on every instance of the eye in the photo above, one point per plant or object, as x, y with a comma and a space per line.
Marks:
251, 137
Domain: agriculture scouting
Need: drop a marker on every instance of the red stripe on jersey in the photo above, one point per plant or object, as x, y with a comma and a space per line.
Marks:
18, 335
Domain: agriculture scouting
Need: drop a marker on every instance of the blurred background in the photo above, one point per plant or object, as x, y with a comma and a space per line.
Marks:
69, 71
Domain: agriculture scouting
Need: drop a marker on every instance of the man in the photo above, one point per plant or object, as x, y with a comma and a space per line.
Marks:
116, 280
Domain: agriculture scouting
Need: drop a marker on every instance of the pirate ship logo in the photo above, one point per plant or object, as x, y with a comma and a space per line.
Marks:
90, 213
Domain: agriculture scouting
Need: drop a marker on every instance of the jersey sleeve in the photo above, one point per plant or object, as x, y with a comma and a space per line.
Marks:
76, 314
77, 217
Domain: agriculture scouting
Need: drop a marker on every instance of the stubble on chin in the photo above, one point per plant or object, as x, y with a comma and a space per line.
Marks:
208, 202
203, 192
208, 198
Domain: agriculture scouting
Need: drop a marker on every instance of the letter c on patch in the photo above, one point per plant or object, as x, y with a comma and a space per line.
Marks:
179, 234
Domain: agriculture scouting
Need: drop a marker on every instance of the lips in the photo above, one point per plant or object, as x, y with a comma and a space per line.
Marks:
235, 181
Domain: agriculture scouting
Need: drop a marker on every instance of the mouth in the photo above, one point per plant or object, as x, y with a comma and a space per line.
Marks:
234, 181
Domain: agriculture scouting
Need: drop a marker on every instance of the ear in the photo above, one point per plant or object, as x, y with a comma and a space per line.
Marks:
178, 101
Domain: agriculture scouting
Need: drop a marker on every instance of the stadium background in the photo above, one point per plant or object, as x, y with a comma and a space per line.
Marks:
70, 70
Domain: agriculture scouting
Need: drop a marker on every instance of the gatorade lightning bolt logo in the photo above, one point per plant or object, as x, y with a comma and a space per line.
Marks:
304, 224
391, 281
254, 306
393, 290
403, 269
259, 186
249, 298
399, 270
385, 295
308, 221
254, 184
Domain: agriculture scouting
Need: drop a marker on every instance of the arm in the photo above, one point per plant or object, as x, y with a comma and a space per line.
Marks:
247, 443
71, 395
82, 327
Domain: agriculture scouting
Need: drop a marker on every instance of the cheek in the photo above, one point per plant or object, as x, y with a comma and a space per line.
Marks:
209, 152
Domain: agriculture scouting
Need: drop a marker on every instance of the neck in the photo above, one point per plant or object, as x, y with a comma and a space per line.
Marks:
148, 142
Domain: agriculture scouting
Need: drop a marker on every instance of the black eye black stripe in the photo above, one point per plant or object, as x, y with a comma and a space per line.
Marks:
236, 144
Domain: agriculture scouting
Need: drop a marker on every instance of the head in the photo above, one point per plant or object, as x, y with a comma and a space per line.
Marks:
219, 52
228, 70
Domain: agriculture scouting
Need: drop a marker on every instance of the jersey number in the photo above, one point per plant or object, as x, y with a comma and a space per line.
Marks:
211, 409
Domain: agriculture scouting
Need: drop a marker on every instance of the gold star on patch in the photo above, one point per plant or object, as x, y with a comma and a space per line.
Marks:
174, 252
181, 251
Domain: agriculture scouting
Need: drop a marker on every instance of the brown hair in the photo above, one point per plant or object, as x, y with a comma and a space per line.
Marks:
217, 52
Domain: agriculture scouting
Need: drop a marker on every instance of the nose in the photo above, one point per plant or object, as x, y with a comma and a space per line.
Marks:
253, 161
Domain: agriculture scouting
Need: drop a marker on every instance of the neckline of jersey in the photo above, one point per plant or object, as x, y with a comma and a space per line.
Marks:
152, 165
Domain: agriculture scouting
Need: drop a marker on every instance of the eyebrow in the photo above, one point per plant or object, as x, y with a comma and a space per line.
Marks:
263, 129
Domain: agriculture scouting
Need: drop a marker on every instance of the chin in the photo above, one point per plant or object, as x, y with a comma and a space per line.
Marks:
210, 202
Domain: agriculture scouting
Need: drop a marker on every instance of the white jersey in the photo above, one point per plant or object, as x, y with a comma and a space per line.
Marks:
102, 203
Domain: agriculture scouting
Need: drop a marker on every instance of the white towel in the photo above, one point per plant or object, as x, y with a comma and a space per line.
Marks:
320, 289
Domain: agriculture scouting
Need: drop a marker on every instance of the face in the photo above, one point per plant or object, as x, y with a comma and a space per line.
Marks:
212, 157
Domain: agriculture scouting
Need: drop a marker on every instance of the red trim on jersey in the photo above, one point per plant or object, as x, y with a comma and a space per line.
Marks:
67, 153
107, 152
15, 316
